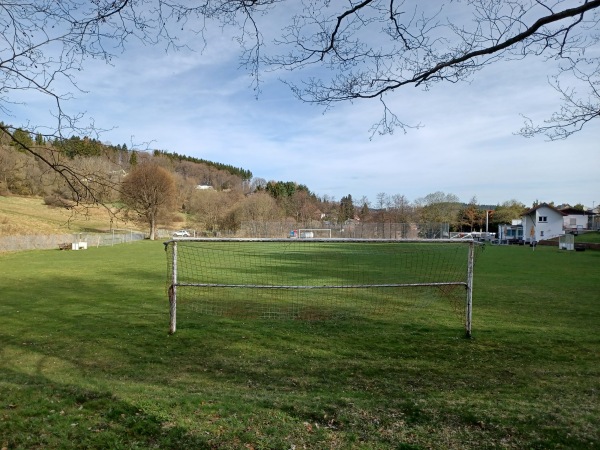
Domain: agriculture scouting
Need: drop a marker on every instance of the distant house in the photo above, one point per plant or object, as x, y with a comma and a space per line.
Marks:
577, 220
542, 222
204, 187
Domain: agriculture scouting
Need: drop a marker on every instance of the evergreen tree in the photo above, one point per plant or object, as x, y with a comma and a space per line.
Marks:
21, 139
133, 159
346, 210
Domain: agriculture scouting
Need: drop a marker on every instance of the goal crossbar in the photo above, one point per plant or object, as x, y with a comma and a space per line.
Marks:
319, 263
327, 286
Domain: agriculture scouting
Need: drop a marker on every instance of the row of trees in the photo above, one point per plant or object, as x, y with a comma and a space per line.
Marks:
162, 188
156, 193
58, 174
245, 174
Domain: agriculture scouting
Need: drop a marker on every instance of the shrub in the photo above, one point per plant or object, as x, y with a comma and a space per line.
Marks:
57, 201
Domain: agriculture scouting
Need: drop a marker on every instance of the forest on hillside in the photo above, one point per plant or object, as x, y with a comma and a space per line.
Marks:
208, 196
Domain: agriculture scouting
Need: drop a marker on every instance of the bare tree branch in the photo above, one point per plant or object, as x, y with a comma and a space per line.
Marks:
574, 114
87, 187
425, 49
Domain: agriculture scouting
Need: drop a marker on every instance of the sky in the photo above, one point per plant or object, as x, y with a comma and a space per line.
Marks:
201, 104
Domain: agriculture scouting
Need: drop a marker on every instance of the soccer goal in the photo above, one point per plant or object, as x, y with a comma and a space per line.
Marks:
315, 279
311, 233
566, 242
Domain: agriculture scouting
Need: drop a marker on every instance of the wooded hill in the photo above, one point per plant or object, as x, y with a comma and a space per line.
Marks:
210, 196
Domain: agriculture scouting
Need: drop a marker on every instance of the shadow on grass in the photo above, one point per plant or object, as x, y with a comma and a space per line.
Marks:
343, 377
40, 413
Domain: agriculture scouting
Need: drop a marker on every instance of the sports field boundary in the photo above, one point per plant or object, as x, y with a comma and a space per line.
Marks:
53, 241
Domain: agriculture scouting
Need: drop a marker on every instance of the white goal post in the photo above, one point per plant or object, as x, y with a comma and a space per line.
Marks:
316, 278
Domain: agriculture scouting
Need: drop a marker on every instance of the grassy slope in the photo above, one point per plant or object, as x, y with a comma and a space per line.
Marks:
29, 215
589, 237
86, 362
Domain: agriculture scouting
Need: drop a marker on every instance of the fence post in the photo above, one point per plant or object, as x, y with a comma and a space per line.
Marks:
469, 306
173, 293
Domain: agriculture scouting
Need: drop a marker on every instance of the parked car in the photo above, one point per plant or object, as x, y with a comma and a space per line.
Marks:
181, 233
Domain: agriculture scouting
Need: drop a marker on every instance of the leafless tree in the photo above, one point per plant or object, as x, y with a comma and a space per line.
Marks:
401, 209
149, 190
211, 207
438, 207
258, 207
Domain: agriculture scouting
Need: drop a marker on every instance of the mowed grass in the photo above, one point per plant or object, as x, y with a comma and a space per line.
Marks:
590, 237
86, 362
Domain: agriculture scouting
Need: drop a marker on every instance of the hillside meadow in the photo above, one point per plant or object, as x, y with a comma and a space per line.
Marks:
86, 362
29, 215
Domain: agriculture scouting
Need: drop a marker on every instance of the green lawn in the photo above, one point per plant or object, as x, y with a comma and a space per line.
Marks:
589, 237
86, 362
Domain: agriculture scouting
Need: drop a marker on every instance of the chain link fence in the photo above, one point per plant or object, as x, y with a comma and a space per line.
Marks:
349, 230
67, 241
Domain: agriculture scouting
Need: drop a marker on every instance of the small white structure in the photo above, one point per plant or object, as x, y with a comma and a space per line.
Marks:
80, 245
566, 242
542, 222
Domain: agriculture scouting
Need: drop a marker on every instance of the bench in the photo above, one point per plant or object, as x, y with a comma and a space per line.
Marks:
64, 246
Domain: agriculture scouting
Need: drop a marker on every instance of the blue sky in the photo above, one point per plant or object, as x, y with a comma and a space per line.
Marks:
201, 104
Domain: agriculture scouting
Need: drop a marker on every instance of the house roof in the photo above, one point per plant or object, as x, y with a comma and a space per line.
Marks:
576, 212
541, 205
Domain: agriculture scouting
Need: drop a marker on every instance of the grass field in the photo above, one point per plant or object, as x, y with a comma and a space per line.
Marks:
591, 236
86, 362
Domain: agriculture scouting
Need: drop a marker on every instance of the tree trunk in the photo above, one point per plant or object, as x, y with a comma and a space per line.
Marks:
152, 227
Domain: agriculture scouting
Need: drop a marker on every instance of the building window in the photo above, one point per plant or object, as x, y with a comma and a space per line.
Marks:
543, 219
541, 234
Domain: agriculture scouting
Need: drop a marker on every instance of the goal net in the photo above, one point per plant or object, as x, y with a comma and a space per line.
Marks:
316, 279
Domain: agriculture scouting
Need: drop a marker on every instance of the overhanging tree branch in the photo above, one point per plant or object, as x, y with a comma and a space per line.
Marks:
425, 49
86, 187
